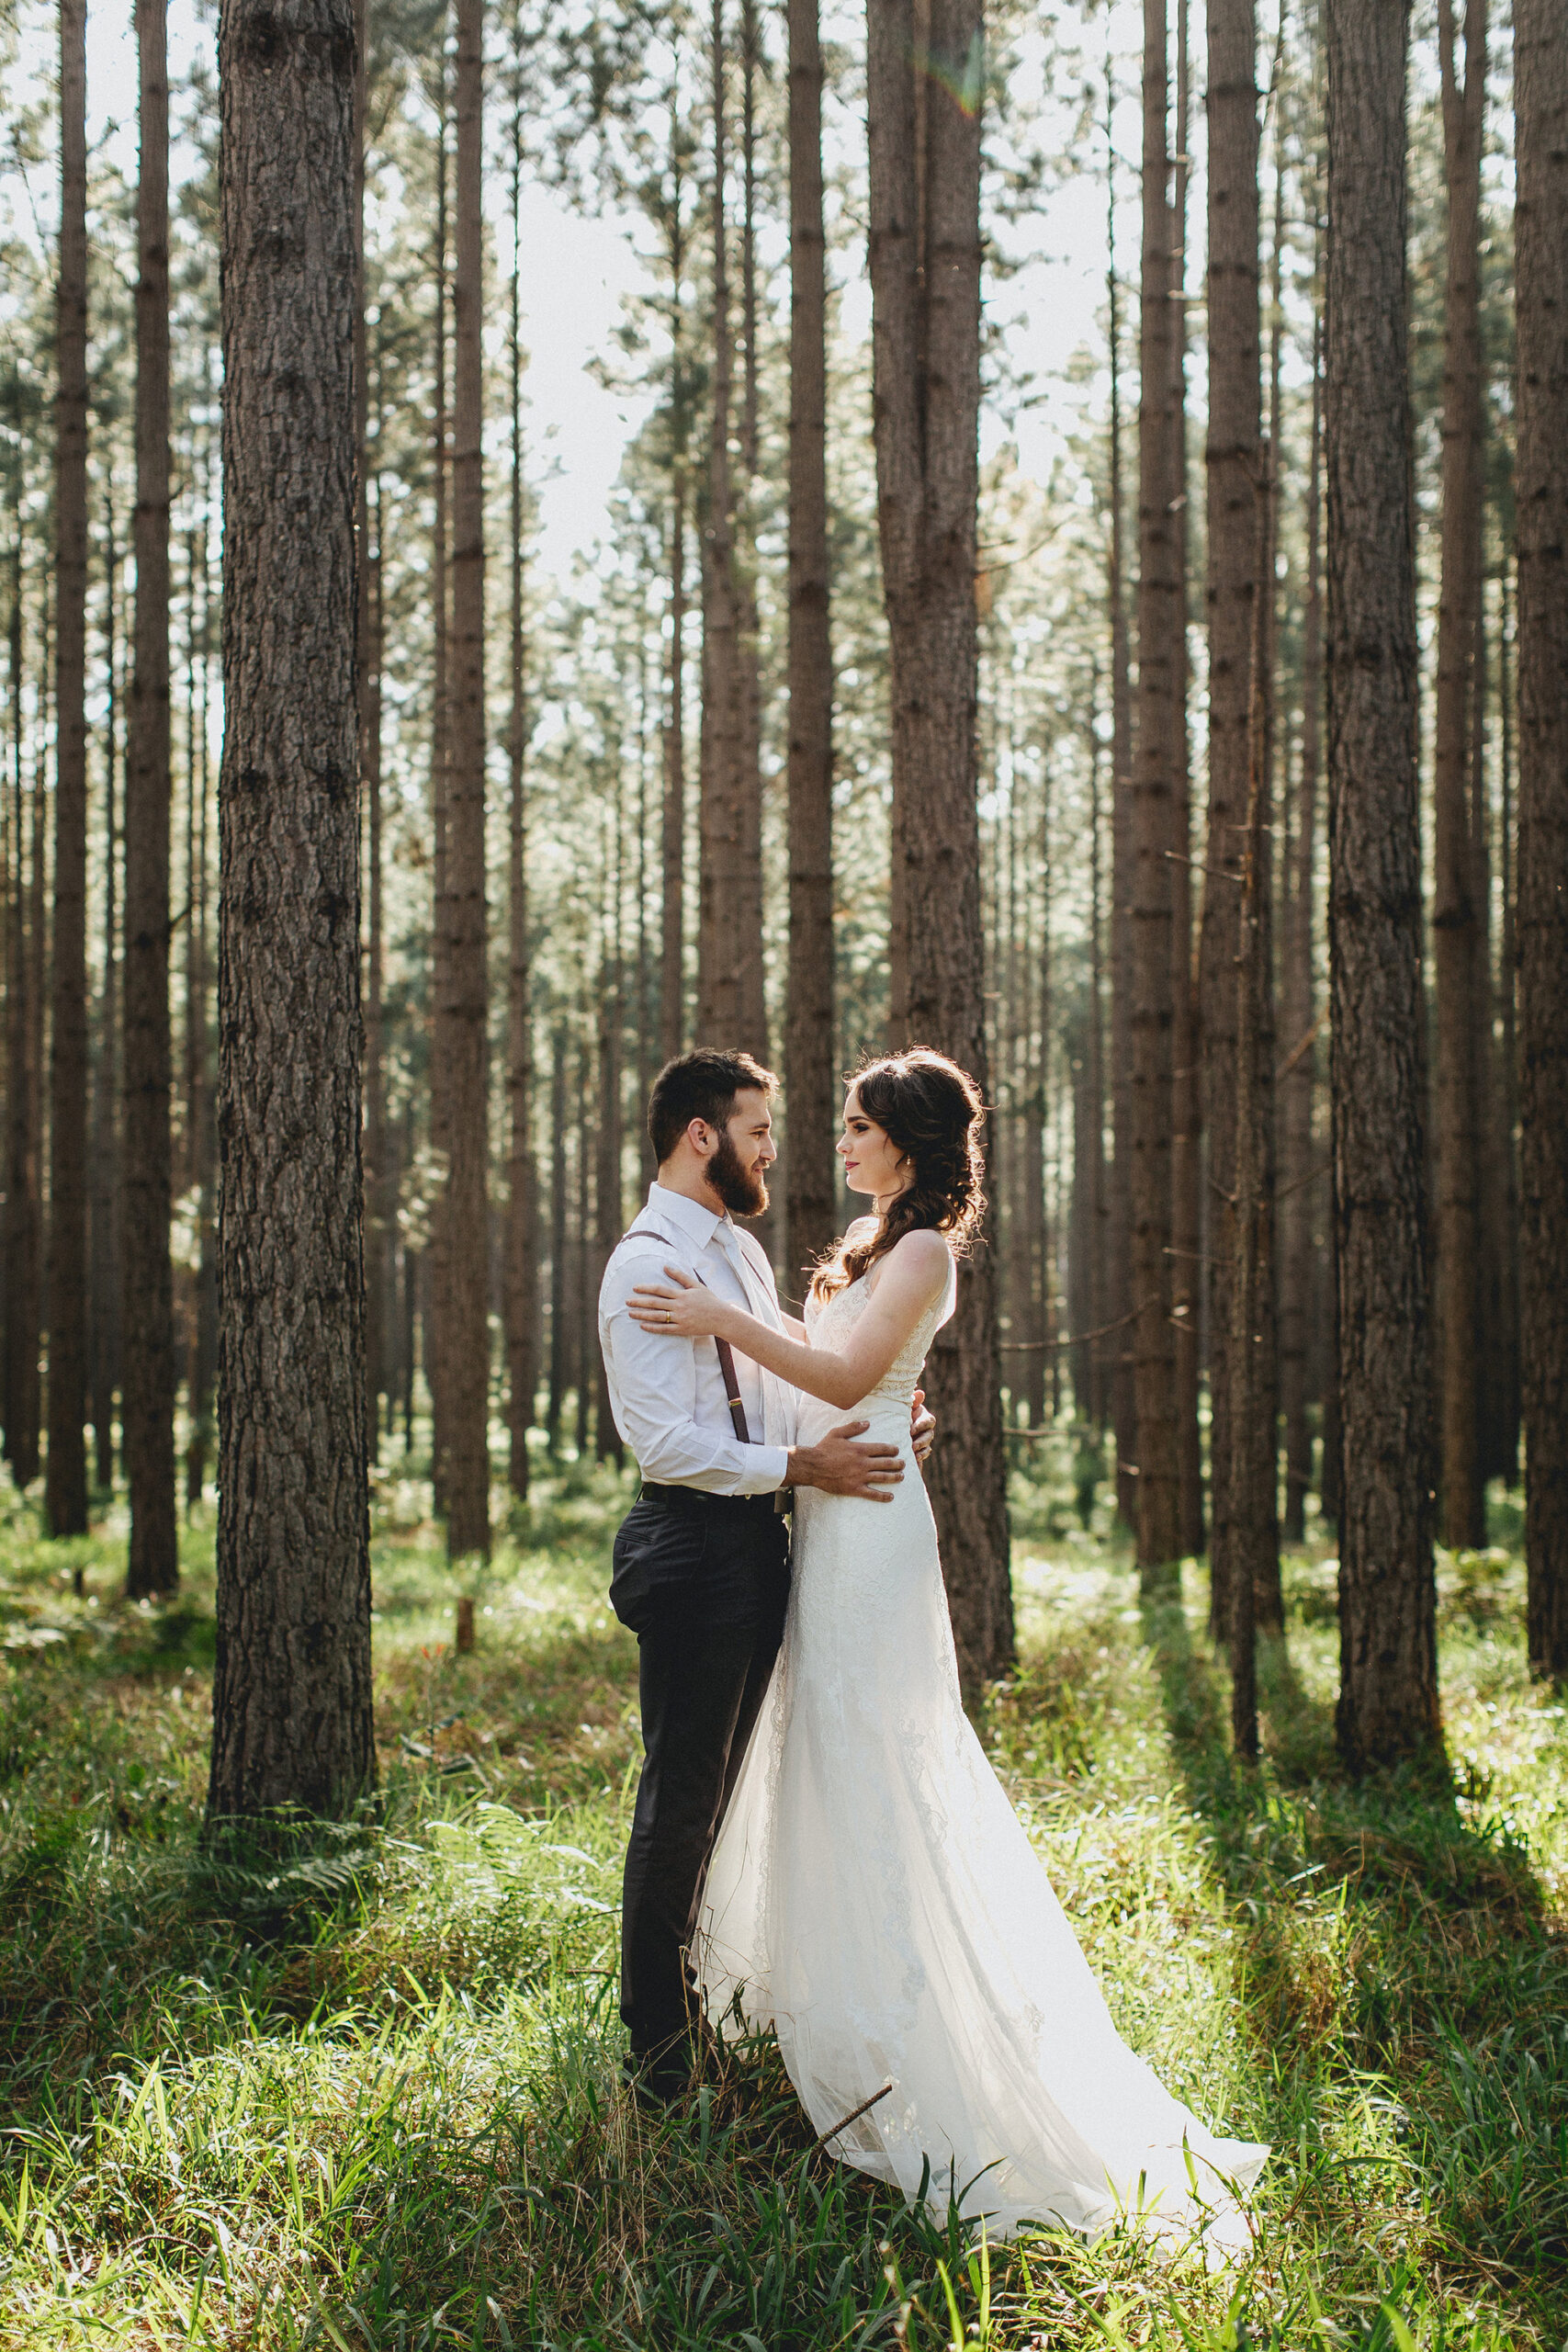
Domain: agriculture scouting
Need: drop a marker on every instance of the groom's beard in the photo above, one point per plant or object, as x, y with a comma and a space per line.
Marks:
743, 1191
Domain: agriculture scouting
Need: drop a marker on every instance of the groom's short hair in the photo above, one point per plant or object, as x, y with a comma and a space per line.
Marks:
700, 1085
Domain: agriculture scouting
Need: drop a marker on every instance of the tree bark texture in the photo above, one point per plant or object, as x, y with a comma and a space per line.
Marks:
368, 675
1119, 1189
730, 1011
1156, 760
292, 1722
103, 1243
1254, 1568
148, 1311
460, 1026
438, 1290
809, 1073
1186, 1108
1388, 1702
1541, 104
1298, 1073
1462, 976
24, 1266
519, 1288
1231, 464
925, 276
65, 1477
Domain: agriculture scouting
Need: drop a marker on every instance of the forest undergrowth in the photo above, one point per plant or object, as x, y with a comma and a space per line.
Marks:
366, 2094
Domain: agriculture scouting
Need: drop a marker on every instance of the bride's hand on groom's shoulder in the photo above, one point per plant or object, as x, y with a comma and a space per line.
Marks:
679, 1308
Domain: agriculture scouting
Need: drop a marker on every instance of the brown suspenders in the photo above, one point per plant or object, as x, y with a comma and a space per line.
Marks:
726, 1352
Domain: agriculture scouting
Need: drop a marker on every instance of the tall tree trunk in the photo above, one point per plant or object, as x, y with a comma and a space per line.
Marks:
148, 1312
809, 1035
1460, 975
730, 902
1298, 1076
609, 1220
925, 277
1388, 1702
291, 1695
104, 1236
1232, 460
1507, 1335
1255, 1565
24, 1269
1161, 664
200, 1133
65, 1479
460, 1015
1541, 230
753, 993
557, 1368
672, 841
1118, 1254
521, 1274
1186, 1118
370, 720
1095, 1398
438, 1350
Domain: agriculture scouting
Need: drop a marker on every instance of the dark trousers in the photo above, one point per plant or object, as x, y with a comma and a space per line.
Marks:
703, 1581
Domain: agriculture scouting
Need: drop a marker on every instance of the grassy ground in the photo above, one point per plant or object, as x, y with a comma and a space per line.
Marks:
370, 2099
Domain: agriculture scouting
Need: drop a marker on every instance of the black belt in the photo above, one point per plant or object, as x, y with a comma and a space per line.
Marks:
696, 1498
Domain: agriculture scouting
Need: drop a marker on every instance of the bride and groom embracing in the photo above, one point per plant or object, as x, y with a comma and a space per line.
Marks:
820, 1845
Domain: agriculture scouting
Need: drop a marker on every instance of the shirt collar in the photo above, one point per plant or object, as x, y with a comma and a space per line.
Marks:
690, 1216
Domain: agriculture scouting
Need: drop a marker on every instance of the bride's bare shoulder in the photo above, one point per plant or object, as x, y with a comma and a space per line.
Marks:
922, 1260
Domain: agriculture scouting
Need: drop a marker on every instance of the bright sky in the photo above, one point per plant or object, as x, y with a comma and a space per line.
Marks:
577, 272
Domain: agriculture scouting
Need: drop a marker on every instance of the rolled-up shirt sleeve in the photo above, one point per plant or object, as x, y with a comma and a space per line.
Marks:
653, 1384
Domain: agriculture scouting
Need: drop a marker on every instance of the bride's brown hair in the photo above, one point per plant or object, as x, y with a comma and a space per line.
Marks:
931, 1111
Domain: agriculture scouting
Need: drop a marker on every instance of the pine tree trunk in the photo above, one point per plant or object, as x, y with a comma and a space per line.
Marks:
1507, 1095
925, 276
437, 1272
201, 1132
103, 1234
1235, 362
748, 943
609, 1218
148, 1308
368, 679
1541, 114
1453, 906
291, 1698
809, 1071
1298, 1067
1254, 1584
1120, 1344
65, 1480
730, 1010
557, 1242
24, 1271
1388, 1702
1156, 761
1186, 1130
1455, 929
521, 1274
673, 839
460, 1015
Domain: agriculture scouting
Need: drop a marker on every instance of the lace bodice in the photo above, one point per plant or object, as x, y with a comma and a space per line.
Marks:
828, 1325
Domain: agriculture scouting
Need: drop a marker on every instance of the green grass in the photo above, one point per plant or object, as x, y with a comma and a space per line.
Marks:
368, 2096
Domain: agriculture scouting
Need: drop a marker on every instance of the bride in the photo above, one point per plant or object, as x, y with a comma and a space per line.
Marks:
872, 1896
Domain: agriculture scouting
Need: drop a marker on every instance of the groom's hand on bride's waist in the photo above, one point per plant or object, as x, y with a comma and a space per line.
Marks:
922, 1429
841, 1464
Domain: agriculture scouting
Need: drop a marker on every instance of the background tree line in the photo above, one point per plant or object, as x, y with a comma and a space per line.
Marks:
1208, 799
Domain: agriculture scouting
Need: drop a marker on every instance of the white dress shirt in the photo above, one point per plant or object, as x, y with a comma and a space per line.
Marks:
667, 1393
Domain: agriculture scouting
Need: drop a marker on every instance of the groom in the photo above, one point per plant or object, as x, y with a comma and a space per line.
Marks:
702, 1560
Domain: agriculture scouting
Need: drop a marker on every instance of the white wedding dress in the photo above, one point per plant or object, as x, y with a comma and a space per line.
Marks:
874, 1897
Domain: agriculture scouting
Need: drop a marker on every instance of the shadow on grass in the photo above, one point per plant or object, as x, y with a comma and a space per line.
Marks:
1379, 1934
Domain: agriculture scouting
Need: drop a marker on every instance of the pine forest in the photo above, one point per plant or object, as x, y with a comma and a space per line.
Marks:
536, 537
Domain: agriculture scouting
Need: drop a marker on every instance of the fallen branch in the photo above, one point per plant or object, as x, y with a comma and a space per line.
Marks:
853, 2117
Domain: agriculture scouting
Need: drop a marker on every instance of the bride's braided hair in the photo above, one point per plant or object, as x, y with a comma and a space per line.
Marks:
932, 1110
